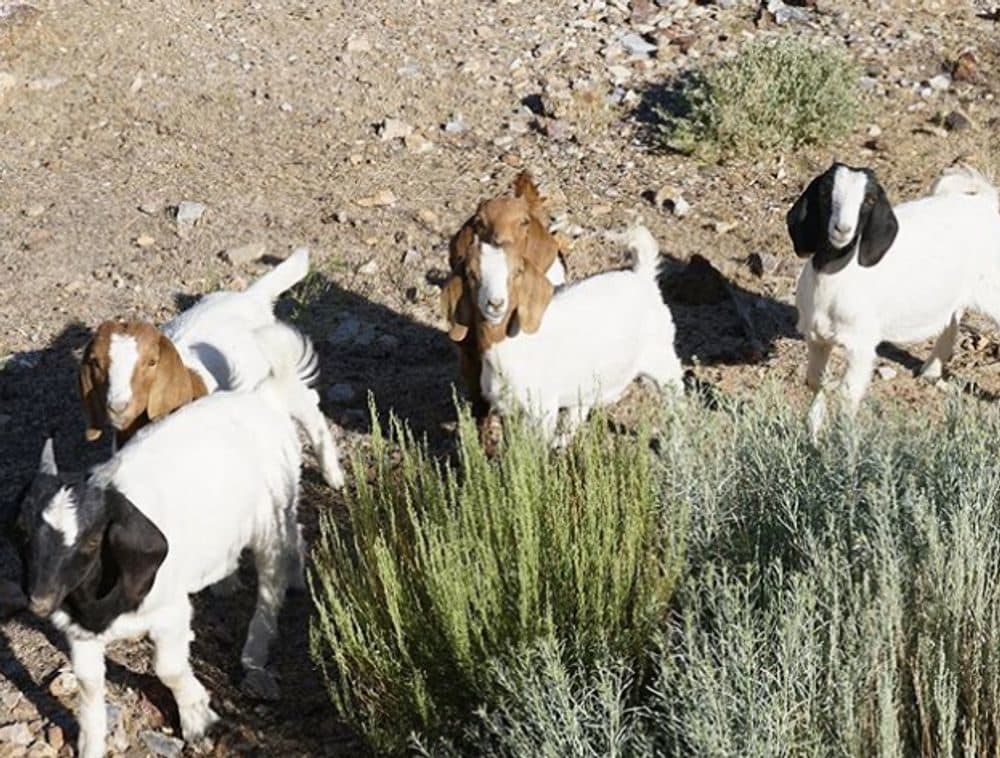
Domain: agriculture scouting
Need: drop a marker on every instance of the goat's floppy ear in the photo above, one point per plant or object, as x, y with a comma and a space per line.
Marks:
805, 226
457, 307
879, 230
459, 246
532, 293
136, 544
172, 385
93, 392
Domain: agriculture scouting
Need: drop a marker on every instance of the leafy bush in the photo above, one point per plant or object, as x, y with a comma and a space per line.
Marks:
443, 576
770, 96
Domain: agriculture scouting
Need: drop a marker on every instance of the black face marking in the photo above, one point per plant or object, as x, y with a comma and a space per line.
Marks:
809, 218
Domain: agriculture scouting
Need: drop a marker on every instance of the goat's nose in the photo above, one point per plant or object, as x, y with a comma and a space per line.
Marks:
42, 606
496, 303
117, 406
841, 227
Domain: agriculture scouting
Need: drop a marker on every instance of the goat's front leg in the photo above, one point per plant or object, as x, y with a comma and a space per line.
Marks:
857, 377
818, 357
88, 667
172, 637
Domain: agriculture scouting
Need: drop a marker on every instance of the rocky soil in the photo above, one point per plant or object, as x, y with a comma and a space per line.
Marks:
151, 152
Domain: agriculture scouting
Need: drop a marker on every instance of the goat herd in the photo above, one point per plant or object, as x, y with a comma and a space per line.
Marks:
206, 410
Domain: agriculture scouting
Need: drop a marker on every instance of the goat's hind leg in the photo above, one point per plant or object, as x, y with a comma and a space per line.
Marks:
943, 350
172, 639
274, 564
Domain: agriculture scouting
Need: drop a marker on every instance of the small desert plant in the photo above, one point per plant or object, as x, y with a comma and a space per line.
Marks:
442, 577
771, 95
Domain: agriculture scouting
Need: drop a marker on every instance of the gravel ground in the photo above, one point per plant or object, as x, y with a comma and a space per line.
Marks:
368, 132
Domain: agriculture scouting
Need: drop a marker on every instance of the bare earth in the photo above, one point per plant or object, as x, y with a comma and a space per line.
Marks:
269, 114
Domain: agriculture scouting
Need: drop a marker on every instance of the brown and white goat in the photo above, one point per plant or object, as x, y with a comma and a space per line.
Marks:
514, 229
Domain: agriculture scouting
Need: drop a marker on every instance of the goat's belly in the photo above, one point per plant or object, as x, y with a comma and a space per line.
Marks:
919, 328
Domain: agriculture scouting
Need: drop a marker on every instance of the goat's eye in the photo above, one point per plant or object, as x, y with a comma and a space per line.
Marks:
869, 201
526, 222
152, 362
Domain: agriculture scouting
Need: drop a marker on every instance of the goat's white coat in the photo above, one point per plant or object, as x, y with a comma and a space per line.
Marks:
945, 260
493, 289
595, 338
216, 476
60, 514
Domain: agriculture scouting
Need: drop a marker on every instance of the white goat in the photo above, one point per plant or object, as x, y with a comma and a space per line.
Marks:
596, 337
896, 274
116, 556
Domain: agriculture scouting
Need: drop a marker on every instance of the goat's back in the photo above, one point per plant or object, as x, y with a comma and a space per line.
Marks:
215, 477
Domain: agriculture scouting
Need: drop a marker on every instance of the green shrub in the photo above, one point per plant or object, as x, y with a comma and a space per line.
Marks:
777, 95
837, 601
442, 577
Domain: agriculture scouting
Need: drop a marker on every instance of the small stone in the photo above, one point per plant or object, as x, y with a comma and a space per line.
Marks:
8, 82
429, 217
42, 749
956, 121
671, 199
73, 287
189, 213
965, 67
392, 129
411, 257
868, 83
417, 143
160, 744
369, 269
887, 373
16, 734
380, 199
455, 126
940, 82
874, 131
358, 43
558, 130
286, 107
55, 737
64, 684
341, 393
144, 240
150, 207
46, 83
723, 227
238, 256
34, 211
636, 44
346, 331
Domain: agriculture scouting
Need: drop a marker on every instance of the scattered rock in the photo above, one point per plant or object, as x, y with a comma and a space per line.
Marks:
417, 143
189, 213
16, 734
286, 107
341, 393
55, 737
558, 130
956, 121
392, 129
455, 125
965, 67
353, 330
64, 684
784, 14
380, 199
429, 217
243, 254
42, 749
8, 82
369, 269
151, 207
637, 45
358, 43
411, 257
160, 744
34, 211
723, 227
762, 263
886, 373
144, 240
940, 82
670, 198
46, 83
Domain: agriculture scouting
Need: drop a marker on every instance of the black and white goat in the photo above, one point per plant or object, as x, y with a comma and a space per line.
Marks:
899, 274
116, 554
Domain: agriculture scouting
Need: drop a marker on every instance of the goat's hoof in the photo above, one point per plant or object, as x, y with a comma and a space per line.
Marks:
931, 372
196, 719
260, 684
333, 474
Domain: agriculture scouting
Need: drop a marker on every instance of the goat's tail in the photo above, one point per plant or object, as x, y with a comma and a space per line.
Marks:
290, 353
645, 248
961, 179
289, 272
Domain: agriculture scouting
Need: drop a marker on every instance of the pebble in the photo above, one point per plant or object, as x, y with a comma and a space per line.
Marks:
671, 199
55, 737
887, 373
429, 217
393, 128
7, 84
358, 43
417, 143
189, 212
341, 393
42, 749
238, 256
34, 211
64, 684
965, 67
286, 107
160, 744
16, 734
369, 269
380, 199
636, 45
150, 207
144, 240
784, 14
411, 257
956, 121
455, 125
940, 82
353, 330
46, 83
